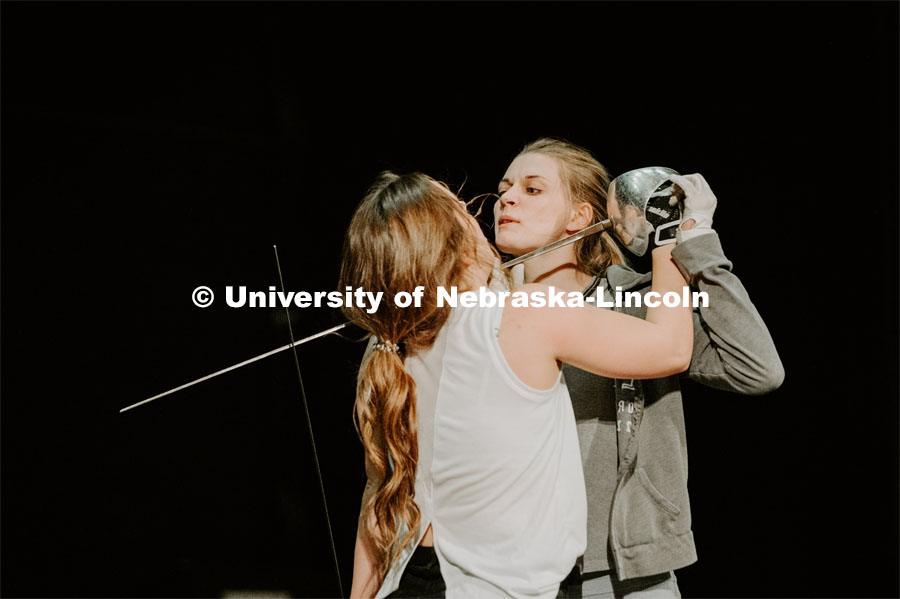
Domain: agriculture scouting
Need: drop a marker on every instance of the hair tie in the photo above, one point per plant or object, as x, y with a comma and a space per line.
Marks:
388, 347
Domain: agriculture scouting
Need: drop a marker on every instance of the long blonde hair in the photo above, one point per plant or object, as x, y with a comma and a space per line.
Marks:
584, 180
406, 232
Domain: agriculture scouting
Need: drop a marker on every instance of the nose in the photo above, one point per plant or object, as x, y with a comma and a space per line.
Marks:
508, 197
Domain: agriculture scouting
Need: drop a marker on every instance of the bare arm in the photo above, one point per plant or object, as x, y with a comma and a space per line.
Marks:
535, 339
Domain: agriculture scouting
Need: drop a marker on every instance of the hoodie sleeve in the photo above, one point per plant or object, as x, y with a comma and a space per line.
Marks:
733, 349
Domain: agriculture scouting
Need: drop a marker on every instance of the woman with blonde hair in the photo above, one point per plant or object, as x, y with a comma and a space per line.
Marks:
632, 433
475, 483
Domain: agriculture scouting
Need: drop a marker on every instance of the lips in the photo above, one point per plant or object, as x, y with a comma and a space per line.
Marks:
505, 220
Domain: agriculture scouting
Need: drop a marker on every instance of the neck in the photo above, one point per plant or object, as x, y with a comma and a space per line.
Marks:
558, 268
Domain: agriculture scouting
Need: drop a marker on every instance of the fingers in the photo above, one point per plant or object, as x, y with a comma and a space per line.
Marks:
685, 183
698, 181
693, 184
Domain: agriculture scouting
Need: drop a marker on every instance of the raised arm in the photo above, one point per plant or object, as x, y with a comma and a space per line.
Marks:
733, 349
534, 339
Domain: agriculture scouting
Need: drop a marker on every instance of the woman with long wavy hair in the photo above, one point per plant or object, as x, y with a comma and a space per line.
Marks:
475, 484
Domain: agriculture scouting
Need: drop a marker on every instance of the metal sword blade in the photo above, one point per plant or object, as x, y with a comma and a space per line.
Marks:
595, 228
238, 365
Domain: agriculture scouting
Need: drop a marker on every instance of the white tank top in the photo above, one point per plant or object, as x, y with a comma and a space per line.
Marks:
499, 474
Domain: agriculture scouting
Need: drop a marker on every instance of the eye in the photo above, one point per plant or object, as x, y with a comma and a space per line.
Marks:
532, 190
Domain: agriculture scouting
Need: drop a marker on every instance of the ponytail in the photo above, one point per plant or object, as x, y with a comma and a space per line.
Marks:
386, 423
407, 232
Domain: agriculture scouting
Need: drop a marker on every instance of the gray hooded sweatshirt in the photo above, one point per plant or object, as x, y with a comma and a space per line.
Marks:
632, 433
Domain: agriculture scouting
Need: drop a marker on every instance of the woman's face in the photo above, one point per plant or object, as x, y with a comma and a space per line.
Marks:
532, 210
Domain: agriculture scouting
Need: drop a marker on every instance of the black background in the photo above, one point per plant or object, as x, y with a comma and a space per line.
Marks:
151, 148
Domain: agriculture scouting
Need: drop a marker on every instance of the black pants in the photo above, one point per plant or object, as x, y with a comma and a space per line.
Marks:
422, 576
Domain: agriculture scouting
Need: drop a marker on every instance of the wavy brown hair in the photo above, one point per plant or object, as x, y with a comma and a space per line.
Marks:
585, 180
406, 232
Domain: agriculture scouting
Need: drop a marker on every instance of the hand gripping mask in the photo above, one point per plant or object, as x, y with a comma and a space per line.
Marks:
646, 208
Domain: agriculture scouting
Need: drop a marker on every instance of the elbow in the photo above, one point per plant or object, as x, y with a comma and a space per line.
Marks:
679, 359
769, 380
683, 359
762, 380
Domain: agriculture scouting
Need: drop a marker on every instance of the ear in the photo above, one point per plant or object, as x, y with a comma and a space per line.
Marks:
581, 216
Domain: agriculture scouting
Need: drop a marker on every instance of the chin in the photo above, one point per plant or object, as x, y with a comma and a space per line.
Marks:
507, 245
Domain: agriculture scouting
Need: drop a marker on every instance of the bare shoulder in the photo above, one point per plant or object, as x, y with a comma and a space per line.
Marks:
523, 339
517, 314
532, 287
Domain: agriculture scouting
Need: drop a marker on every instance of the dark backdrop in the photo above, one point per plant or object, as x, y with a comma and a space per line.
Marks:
151, 148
